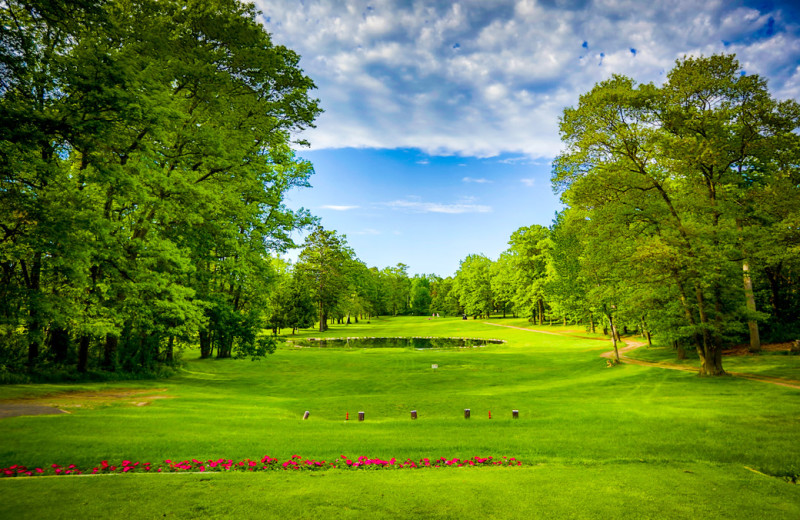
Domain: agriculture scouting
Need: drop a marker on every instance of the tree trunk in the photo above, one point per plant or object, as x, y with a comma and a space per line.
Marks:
710, 365
110, 352
591, 322
775, 298
83, 353
205, 344
59, 344
323, 322
681, 351
169, 355
750, 302
614, 335
33, 282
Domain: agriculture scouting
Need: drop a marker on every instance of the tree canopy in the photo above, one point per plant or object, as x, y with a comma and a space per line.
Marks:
144, 154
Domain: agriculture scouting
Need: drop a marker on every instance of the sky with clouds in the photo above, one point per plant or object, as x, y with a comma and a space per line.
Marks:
441, 118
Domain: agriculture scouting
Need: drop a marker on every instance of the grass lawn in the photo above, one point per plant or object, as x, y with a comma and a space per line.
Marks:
774, 364
597, 442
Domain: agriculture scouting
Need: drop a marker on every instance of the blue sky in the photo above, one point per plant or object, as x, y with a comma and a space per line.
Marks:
441, 118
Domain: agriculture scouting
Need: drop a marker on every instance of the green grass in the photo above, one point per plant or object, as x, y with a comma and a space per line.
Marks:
622, 442
773, 364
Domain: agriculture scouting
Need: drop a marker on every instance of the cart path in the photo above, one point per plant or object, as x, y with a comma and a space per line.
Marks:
631, 345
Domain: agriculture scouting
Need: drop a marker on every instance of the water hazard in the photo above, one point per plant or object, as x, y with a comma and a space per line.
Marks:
414, 343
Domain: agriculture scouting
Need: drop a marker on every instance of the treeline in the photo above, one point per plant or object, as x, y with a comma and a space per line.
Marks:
145, 149
682, 219
329, 284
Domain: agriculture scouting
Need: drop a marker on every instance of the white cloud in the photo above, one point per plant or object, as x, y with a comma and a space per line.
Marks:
528, 182
476, 181
335, 207
483, 78
367, 231
417, 206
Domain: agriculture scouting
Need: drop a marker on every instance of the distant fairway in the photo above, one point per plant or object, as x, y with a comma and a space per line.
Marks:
597, 442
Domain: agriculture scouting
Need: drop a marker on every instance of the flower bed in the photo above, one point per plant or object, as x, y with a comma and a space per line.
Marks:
267, 463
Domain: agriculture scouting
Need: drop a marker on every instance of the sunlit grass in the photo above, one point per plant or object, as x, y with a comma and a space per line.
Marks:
584, 430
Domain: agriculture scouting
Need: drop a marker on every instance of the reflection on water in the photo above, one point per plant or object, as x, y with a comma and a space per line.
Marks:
415, 343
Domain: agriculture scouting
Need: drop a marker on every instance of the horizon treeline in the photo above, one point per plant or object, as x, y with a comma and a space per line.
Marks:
682, 221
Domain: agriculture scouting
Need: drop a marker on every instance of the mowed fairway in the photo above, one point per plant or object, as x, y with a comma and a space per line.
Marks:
596, 442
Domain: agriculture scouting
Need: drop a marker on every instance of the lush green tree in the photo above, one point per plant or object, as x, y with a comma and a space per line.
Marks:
566, 284
291, 303
473, 285
503, 281
421, 294
519, 275
444, 298
324, 263
142, 176
396, 289
662, 171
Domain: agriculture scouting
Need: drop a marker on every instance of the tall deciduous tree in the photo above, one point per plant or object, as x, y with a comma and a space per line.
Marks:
324, 263
473, 285
673, 164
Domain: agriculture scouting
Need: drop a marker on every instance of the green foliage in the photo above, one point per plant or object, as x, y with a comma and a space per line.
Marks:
421, 294
143, 164
473, 285
324, 265
444, 299
662, 181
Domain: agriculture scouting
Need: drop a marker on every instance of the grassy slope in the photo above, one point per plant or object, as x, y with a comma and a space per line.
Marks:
774, 364
628, 441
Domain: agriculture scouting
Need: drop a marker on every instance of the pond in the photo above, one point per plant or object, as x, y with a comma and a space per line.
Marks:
415, 343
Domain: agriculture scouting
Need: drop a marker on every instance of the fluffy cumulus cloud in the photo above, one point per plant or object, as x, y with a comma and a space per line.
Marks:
479, 78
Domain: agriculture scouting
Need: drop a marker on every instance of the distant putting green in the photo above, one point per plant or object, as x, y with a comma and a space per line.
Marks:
596, 442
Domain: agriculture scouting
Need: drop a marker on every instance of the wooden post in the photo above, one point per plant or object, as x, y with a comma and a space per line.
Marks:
515, 414
360, 416
466, 413
414, 414
305, 415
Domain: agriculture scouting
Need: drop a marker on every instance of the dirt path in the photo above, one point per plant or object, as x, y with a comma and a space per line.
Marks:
631, 345
55, 404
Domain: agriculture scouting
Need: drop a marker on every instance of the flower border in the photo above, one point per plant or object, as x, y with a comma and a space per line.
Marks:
266, 463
